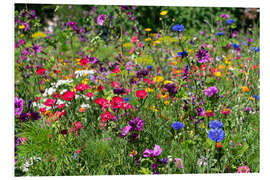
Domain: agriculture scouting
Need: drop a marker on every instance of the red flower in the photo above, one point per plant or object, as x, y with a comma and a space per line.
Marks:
83, 62
141, 94
115, 84
68, 96
116, 70
126, 106
50, 102
82, 87
102, 102
40, 71
56, 95
89, 94
61, 106
100, 88
226, 111
106, 117
42, 110
116, 102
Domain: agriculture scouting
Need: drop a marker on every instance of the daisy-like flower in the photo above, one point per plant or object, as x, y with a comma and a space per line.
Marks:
243, 169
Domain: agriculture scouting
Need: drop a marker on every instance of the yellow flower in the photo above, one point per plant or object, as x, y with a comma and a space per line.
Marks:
163, 13
203, 126
21, 26
22, 35
149, 90
174, 62
245, 89
128, 45
164, 95
221, 66
156, 42
60, 60
227, 61
158, 79
218, 74
148, 39
85, 81
166, 102
167, 81
154, 109
38, 35
148, 29
251, 98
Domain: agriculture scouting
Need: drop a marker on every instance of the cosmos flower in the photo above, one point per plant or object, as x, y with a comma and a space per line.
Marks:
243, 169
152, 153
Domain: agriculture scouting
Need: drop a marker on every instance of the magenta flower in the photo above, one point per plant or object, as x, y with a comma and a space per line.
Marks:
243, 169
179, 162
211, 91
101, 19
18, 106
152, 153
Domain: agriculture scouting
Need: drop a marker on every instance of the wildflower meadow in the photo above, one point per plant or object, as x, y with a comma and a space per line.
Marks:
128, 90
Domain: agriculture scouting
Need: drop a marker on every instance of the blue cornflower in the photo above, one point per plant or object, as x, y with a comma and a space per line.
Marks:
215, 124
256, 49
216, 135
220, 33
177, 125
257, 97
178, 27
182, 54
230, 21
236, 46
149, 67
126, 99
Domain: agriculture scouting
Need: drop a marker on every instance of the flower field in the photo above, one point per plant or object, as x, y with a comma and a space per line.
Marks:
99, 93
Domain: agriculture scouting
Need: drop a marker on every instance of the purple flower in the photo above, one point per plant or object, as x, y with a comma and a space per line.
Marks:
25, 52
157, 150
119, 91
125, 131
203, 56
18, 106
148, 153
26, 26
37, 48
225, 16
152, 153
171, 88
101, 19
211, 91
136, 124
200, 111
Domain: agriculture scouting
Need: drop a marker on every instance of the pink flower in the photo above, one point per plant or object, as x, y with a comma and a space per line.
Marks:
179, 162
131, 51
243, 169
141, 94
101, 19
135, 39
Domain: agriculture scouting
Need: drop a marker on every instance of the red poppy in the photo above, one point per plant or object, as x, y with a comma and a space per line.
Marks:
141, 94
68, 96
83, 62
61, 106
82, 87
40, 71
89, 94
116, 102
102, 102
106, 117
100, 88
50, 102
116, 70
126, 106
115, 84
